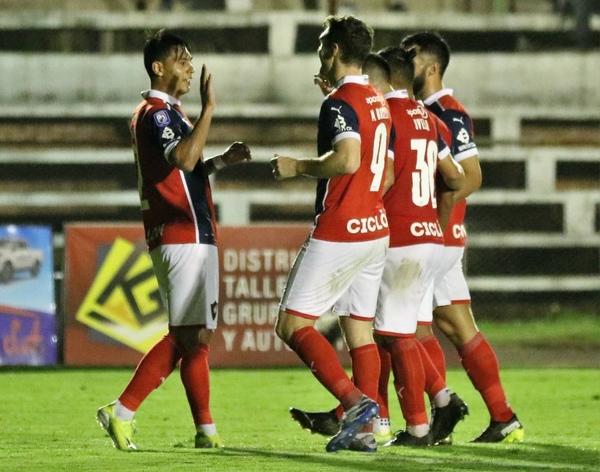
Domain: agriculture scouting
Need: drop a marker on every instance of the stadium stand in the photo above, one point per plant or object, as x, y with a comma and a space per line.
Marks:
72, 76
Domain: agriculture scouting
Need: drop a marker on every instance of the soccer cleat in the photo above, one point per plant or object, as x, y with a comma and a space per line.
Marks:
404, 438
382, 430
360, 414
509, 432
447, 441
444, 419
206, 441
363, 442
325, 423
120, 431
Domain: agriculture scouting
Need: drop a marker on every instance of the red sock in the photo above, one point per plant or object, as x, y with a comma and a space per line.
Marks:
434, 382
436, 354
316, 352
384, 379
480, 362
151, 372
409, 380
195, 376
365, 369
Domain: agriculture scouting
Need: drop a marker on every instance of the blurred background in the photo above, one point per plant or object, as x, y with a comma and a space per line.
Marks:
526, 70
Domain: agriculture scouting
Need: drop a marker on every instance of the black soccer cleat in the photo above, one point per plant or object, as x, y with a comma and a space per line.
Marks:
404, 438
322, 422
444, 419
497, 432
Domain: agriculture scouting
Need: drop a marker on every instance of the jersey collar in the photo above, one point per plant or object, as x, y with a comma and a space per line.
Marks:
353, 79
434, 97
165, 97
402, 93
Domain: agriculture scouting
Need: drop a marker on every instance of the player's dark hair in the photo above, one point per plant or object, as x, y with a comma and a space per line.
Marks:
159, 45
354, 37
432, 43
400, 62
374, 62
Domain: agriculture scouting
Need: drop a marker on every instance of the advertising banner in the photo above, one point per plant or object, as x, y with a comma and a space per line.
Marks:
114, 313
27, 304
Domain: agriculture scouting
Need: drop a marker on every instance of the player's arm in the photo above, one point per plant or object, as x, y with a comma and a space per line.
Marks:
472, 171
189, 151
452, 173
464, 151
390, 178
343, 159
454, 177
237, 152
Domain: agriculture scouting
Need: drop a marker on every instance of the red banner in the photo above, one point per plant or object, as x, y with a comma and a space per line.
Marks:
114, 314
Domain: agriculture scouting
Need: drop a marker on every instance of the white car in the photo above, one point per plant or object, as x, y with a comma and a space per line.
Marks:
16, 255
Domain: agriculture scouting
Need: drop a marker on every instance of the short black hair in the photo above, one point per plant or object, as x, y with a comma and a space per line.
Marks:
400, 62
159, 45
353, 36
432, 43
377, 63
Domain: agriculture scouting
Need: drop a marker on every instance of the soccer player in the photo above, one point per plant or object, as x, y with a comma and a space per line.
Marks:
416, 242
180, 230
453, 314
341, 262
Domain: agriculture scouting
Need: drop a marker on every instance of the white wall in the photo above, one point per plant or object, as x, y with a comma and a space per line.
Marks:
547, 80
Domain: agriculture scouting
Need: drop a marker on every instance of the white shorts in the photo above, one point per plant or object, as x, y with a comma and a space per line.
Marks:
188, 280
449, 286
406, 288
345, 276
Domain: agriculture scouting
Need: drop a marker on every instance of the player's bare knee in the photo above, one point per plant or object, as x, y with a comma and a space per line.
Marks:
205, 336
423, 331
283, 329
187, 338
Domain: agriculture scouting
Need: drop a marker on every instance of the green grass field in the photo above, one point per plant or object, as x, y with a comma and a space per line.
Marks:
48, 422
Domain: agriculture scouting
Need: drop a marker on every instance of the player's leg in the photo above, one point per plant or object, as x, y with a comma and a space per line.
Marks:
195, 376
382, 426
455, 319
356, 308
405, 281
308, 294
156, 365
193, 294
431, 344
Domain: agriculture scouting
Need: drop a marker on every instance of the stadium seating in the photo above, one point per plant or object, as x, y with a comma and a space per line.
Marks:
71, 80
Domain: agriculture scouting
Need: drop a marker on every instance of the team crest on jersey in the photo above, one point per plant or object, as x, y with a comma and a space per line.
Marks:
162, 118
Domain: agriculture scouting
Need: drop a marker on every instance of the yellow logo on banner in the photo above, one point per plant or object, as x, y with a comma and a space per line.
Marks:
124, 302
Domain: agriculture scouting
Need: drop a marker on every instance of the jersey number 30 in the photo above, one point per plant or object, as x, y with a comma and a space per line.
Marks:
423, 179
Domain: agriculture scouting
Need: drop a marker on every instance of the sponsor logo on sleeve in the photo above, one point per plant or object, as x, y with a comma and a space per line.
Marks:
341, 125
463, 136
168, 133
162, 118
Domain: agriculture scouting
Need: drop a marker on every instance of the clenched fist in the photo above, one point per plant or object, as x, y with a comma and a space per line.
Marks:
284, 167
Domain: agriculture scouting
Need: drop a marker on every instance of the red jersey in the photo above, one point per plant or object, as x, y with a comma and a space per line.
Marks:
410, 203
350, 208
177, 206
456, 118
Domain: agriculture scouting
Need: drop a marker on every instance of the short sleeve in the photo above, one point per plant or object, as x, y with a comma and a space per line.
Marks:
461, 126
339, 120
167, 128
